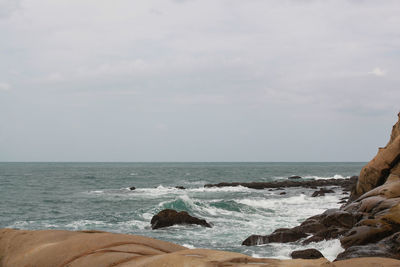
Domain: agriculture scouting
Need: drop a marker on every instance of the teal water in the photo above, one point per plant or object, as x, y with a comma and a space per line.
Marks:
77, 196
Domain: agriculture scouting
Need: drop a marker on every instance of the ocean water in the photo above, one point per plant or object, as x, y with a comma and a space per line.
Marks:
78, 196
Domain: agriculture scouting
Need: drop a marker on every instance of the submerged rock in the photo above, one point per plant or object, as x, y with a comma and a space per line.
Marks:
310, 253
294, 177
132, 188
180, 187
170, 217
322, 192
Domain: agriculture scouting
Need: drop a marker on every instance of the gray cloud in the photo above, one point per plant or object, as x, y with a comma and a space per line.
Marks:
226, 80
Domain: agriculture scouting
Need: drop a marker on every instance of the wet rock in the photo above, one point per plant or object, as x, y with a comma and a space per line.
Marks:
170, 217
180, 187
132, 188
294, 177
281, 235
389, 247
322, 192
344, 183
310, 253
282, 193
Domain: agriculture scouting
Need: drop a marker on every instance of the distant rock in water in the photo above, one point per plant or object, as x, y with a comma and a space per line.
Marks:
180, 187
294, 177
170, 217
322, 192
310, 253
132, 188
282, 193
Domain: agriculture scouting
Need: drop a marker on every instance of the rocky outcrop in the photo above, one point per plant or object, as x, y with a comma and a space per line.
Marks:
168, 217
369, 223
383, 167
51, 248
321, 192
346, 184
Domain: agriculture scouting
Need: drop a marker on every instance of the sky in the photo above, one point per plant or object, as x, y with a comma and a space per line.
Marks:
198, 80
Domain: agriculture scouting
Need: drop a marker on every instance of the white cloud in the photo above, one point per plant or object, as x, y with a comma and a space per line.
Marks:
378, 72
5, 86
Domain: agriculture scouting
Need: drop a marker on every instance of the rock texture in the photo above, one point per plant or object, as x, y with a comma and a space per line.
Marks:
51, 248
310, 253
170, 217
383, 167
369, 223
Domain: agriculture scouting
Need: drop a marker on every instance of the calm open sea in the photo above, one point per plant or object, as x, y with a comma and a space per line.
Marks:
77, 196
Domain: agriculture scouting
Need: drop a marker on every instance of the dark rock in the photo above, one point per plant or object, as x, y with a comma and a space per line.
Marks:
310, 253
281, 235
294, 177
387, 248
170, 217
282, 193
322, 192
132, 188
344, 183
180, 187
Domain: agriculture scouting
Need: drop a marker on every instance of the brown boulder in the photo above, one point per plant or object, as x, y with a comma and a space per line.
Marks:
310, 253
170, 217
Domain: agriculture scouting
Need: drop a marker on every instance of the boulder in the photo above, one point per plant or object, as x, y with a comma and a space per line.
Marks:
168, 217
281, 235
180, 187
310, 253
132, 188
294, 177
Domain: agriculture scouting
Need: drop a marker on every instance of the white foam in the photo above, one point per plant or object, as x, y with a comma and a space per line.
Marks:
221, 189
189, 246
83, 223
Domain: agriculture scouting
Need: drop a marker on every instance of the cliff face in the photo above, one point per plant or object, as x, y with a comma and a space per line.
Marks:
384, 168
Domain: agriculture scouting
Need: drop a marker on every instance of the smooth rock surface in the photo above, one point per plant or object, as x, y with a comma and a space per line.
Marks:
168, 217
49, 248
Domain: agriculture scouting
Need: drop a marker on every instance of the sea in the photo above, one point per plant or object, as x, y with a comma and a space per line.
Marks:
83, 196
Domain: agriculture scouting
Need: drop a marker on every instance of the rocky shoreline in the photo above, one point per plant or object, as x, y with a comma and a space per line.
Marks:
367, 225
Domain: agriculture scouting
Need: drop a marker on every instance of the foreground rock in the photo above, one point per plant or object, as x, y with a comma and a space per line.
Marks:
51, 248
369, 223
310, 253
168, 217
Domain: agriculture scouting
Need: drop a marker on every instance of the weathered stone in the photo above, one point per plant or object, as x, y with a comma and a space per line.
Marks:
281, 235
170, 217
310, 253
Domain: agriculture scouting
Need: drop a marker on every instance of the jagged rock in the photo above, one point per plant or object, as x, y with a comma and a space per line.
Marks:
294, 177
344, 183
281, 235
310, 253
170, 217
322, 192
383, 166
180, 187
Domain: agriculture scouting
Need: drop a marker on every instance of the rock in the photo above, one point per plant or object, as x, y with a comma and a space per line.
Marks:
282, 193
310, 253
170, 217
322, 192
281, 235
180, 187
294, 177
344, 183
132, 188
385, 164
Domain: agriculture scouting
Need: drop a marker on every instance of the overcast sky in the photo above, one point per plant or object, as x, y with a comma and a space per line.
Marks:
197, 80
